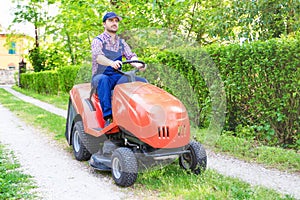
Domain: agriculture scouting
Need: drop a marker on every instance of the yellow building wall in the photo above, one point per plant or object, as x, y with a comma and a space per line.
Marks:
8, 61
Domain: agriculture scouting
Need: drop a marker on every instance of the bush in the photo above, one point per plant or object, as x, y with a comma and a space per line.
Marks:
261, 82
262, 87
45, 82
67, 76
51, 81
38, 59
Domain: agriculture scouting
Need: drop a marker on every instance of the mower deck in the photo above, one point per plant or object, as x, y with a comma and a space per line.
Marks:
100, 162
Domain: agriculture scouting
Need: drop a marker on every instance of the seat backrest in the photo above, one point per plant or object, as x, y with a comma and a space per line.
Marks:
93, 91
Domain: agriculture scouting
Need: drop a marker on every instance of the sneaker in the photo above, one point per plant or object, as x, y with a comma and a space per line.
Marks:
107, 122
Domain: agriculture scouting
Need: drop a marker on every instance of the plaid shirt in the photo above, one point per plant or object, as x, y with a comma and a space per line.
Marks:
97, 47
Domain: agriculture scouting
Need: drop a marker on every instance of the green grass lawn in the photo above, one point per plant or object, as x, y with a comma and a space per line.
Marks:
250, 150
170, 182
14, 184
60, 101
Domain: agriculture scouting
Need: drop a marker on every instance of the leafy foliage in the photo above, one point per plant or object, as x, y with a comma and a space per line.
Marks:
41, 82
37, 59
206, 22
67, 76
55, 81
262, 87
266, 19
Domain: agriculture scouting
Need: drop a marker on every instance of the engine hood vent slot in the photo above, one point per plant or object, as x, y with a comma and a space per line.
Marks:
163, 132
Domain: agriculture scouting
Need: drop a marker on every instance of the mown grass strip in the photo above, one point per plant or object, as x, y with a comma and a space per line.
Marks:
60, 101
286, 160
14, 184
170, 182
33, 115
173, 183
250, 150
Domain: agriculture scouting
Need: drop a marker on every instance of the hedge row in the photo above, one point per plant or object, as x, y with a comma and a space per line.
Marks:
261, 82
50, 82
262, 87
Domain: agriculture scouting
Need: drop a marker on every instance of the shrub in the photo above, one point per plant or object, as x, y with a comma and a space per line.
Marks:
262, 87
38, 59
261, 81
67, 76
51, 81
45, 82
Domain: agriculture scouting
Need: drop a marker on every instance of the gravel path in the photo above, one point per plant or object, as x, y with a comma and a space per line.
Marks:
57, 174
46, 106
255, 174
52, 171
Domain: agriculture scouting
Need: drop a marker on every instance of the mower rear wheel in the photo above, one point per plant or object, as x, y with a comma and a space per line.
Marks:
80, 151
124, 167
195, 160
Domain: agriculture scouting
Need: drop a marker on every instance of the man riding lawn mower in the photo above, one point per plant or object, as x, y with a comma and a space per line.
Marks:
149, 126
122, 123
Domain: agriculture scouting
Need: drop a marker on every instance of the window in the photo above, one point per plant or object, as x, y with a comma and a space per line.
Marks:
12, 49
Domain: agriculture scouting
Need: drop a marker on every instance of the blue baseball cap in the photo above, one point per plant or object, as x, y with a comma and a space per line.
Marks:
110, 15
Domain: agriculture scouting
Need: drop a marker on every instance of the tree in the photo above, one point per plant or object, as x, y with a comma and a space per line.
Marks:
266, 19
205, 22
34, 13
75, 26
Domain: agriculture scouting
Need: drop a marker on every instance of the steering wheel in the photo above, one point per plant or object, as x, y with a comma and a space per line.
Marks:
131, 74
135, 61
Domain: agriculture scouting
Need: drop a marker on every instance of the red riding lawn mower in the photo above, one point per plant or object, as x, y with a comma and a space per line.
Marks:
149, 127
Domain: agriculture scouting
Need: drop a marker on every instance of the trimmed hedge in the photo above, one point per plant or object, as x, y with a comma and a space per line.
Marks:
261, 81
67, 76
50, 82
263, 88
45, 82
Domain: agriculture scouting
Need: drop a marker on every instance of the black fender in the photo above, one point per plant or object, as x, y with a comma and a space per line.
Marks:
72, 115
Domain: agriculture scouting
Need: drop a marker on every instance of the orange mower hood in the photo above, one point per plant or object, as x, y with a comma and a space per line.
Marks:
151, 114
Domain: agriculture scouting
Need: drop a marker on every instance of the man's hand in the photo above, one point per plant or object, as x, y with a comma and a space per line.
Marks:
116, 64
141, 68
102, 60
138, 65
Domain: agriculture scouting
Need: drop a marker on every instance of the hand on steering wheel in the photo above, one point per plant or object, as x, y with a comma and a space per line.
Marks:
142, 68
116, 64
139, 66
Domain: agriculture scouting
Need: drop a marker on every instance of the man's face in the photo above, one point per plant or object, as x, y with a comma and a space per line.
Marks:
111, 25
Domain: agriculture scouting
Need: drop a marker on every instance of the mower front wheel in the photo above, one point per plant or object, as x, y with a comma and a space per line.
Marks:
80, 151
124, 167
195, 160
